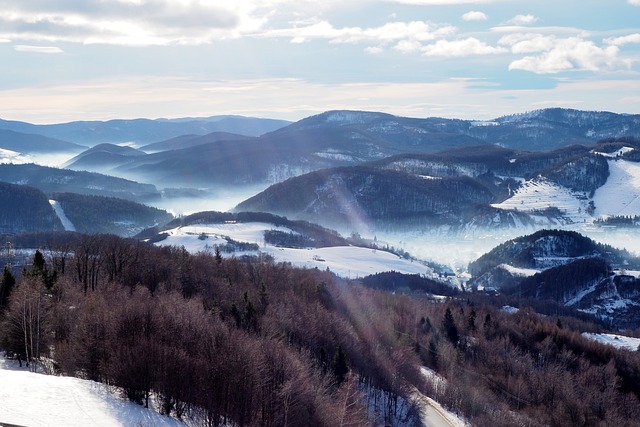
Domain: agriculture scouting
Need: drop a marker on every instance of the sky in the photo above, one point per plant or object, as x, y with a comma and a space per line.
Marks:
68, 60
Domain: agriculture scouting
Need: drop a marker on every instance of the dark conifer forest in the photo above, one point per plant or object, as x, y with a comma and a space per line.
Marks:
250, 342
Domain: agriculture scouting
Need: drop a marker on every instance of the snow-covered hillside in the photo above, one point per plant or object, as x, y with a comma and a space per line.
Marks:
39, 400
345, 261
538, 194
619, 196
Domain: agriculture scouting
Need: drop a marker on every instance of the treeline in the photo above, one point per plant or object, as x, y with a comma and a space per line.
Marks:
408, 283
618, 221
585, 173
250, 342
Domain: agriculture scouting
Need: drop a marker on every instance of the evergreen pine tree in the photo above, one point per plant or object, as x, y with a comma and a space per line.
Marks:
340, 367
449, 326
7, 285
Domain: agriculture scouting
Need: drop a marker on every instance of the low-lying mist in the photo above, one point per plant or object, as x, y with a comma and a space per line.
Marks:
219, 199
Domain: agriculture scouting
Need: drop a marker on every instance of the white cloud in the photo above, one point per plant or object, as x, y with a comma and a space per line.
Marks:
129, 22
474, 16
38, 49
441, 2
458, 48
523, 20
528, 42
392, 32
619, 41
374, 50
408, 46
572, 54
634, 2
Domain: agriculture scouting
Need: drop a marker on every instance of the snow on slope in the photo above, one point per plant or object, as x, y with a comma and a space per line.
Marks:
539, 194
620, 195
38, 400
345, 261
66, 223
618, 341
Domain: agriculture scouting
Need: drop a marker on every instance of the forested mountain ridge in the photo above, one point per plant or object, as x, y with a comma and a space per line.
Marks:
547, 248
31, 143
567, 268
25, 209
362, 197
102, 158
100, 214
48, 180
464, 187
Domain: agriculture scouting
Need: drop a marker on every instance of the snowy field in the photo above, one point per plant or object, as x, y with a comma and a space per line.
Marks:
38, 400
345, 261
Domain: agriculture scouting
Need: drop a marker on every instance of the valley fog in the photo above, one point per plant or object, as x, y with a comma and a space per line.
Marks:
220, 200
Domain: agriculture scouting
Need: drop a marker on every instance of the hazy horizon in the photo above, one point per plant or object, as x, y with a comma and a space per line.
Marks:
467, 59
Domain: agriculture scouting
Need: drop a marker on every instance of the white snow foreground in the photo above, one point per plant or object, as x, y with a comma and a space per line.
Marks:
39, 400
345, 261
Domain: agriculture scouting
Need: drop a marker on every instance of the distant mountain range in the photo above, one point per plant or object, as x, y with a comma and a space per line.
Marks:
228, 151
142, 131
352, 169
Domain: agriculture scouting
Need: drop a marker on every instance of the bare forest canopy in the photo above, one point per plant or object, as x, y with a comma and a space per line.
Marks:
253, 342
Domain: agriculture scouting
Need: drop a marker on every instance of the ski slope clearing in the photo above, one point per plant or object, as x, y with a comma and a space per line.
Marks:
620, 195
345, 261
618, 341
66, 223
39, 400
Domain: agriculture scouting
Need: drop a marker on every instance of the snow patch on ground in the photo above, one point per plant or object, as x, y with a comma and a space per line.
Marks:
520, 272
618, 341
619, 153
